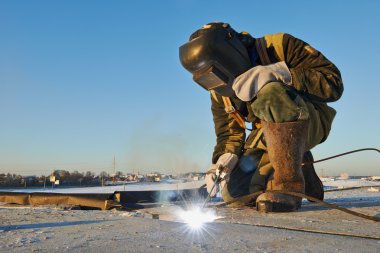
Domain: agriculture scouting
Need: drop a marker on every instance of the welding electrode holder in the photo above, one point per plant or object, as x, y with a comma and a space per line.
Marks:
212, 188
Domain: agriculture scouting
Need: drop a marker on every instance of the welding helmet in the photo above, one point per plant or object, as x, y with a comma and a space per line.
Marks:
215, 56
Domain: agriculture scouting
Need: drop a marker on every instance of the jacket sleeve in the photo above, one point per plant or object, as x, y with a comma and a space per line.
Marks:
230, 137
312, 73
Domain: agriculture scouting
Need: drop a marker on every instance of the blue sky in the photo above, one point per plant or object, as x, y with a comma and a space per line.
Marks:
84, 81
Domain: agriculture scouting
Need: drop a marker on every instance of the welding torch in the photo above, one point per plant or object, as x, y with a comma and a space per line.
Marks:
213, 186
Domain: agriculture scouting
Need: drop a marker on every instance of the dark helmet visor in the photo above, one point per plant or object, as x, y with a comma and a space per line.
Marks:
211, 78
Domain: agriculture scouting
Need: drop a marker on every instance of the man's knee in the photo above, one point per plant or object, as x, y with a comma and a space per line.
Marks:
277, 102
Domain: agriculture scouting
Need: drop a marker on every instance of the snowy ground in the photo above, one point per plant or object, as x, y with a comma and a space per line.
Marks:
44, 229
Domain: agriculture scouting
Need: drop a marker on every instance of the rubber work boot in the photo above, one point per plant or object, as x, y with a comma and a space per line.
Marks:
313, 185
286, 146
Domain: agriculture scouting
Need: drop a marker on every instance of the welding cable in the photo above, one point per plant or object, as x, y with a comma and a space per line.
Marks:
246, 199
352, 188
254, 195
315, 231
301, 195
342, 154
250, 197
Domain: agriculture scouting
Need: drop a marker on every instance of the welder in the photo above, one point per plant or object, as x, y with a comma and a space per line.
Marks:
278, 87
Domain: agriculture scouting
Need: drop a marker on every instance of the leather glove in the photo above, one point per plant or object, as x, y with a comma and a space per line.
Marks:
250, 82
210, 180
223, 167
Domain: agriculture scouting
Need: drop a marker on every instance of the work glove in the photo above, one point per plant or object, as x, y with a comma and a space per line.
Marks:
250, 82
223, 167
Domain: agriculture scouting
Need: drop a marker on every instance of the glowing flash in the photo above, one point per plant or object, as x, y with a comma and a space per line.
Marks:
196, 217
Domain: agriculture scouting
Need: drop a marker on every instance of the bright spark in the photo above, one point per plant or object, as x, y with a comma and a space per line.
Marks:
196, 217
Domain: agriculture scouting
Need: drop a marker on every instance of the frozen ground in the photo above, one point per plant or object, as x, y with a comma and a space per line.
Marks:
24, 229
